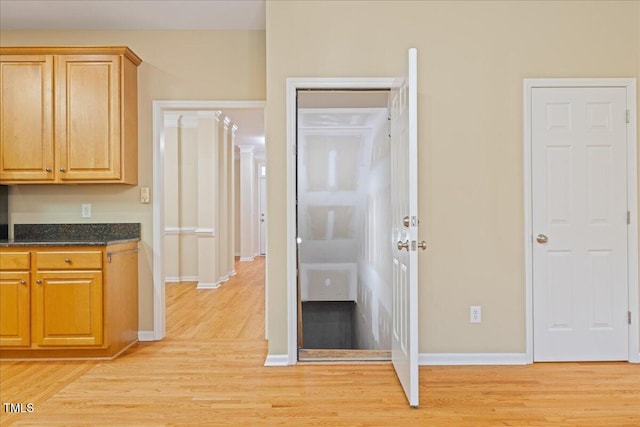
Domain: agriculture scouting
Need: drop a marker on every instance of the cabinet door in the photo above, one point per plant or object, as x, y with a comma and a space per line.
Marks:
14, 309
26, 118
88, 134
67, 308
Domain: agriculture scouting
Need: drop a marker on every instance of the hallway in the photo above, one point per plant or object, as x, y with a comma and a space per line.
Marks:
209, 371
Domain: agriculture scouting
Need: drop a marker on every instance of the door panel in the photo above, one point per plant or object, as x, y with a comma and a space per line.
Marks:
404, 203
14, 309
579, 204
88, 117
26, 118
68, 308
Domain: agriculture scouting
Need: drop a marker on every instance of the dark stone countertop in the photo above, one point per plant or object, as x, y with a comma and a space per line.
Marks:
72, 234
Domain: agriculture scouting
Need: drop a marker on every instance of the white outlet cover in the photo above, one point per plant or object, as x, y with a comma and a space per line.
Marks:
475, 314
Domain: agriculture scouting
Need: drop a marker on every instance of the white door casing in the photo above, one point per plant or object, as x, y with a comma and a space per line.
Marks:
262, 207
160, 108
293, 84
404, 231
581, 253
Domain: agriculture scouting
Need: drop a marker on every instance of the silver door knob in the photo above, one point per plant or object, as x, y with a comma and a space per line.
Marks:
422, 245
541, 238
47, 169
406, 221
403, 245
63, 170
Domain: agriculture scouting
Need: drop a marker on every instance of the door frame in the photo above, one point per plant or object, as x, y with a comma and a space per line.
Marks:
293, 84
632, 200
159, 108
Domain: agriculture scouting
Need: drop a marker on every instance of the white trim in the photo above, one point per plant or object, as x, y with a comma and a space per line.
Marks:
246, 259
277, 360
202, 285
182, 231
146, 336
189, 121
632, 202
172, 231
176, 279
293, 84
205, 232
158, 111
427, 359
171, 120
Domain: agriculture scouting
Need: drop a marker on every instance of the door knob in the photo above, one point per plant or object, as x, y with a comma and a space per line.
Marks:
23, 282
63, 170
541, 238
406, 221
422, 245
402, 245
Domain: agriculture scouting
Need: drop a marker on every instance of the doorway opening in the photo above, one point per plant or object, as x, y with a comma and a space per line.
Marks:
343, 225
195, 123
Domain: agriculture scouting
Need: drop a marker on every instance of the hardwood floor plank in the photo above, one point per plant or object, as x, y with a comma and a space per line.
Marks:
209, 371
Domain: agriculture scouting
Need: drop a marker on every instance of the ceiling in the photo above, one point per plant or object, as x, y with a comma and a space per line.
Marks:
132, 15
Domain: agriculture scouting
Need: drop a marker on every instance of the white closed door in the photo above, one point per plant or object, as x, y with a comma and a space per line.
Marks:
579, 212
404, 223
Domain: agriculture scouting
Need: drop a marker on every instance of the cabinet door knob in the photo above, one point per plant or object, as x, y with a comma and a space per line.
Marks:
67, 260
38, 281
22, 282
63, 170
47, 169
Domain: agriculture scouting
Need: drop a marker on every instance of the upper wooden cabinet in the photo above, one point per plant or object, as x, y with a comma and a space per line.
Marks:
68, 115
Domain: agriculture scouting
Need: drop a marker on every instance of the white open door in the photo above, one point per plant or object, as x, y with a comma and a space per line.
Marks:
404, 228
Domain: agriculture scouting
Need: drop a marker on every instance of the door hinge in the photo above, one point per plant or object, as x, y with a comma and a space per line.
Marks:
628, 116
629, 316
628, 217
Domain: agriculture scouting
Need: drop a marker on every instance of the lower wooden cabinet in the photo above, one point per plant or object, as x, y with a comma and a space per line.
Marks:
61, 302
14, 309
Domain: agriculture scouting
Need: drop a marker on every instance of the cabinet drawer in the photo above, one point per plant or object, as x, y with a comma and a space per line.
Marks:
84, 260
14, 261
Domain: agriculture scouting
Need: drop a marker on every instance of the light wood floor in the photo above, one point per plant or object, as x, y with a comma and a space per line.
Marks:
209, 371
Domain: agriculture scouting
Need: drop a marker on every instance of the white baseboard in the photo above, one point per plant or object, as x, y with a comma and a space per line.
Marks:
472, 359
203, 285
277, 360
146, 336
246, 258
232, 273
176, 279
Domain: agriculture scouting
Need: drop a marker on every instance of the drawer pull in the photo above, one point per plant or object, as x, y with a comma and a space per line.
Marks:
38, 281
22, 282
47, 169
67, 260
63, 170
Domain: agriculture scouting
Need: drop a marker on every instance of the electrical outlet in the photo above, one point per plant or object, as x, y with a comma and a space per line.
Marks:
475, 314
144, 195
86, 210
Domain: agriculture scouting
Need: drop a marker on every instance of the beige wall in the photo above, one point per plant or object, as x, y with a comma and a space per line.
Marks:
178, 65
473, 57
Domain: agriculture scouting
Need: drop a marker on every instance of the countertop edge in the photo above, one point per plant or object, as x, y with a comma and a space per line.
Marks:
34, 243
